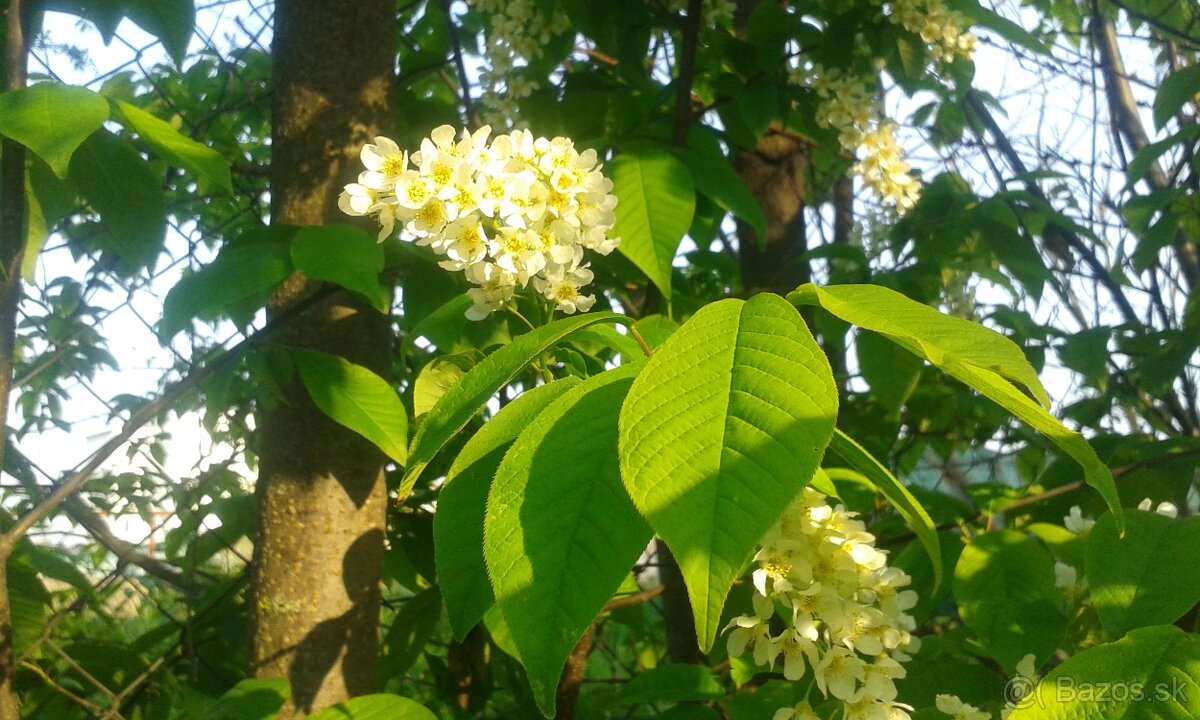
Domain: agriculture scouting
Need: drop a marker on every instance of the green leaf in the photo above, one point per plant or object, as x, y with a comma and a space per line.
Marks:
714, 176
410, 632
655, 202
171, 21
30, 604
1150, 674
1139, 579
120, 185
721, 431
376, 707
899, 496
47, 201
560, 533
357, 398
52, 120
1149, 155
176, 147
1177, 89
462, 503
341, 254
1001, 392
439, 375
1004, 585
1003, 27
924, 331
971, 353
891, 371
462, 401
241, 271
672, 684
250, 700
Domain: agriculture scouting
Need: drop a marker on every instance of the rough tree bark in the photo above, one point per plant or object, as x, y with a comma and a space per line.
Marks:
776, 173
321, 493
12, 247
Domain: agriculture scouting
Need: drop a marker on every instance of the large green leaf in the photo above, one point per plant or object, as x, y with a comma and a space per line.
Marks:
1131, 578
250, 700
721, 431
462, 401
376, 707
1177, 89
899, 496
927, 333
341, 254
977, 356
462, 503
561, 533
176, 147
52, 120
241, 272
120, 185
1004, 585
1150, 674
357, 398
1001, 392
656, 200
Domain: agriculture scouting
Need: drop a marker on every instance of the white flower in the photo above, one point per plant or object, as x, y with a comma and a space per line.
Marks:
384, 162
839, 673
959, 710
802, 711
563, 288
1027, 667
1066, 577
1076, 522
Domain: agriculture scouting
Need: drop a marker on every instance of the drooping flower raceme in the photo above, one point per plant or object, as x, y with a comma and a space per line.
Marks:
510, 213
848, 102
844, 611
517, 32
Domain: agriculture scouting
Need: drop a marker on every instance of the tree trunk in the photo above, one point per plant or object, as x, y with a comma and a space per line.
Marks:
12, 249
321, 493
776, 172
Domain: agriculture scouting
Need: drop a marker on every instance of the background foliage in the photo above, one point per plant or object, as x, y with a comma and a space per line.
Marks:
1073, 234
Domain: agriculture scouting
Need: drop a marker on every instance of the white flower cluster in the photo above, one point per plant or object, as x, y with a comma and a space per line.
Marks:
848, 103
517, 33
849, 106
1166, 509
508, 213
942, 29
845, 611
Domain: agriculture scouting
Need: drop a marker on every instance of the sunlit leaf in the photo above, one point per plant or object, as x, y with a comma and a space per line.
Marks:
52, 120
177, 148
656, 200
357, 398
561, 534
720, 433
462, 503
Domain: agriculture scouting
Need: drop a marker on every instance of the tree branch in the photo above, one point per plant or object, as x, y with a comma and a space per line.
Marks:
1124, 111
